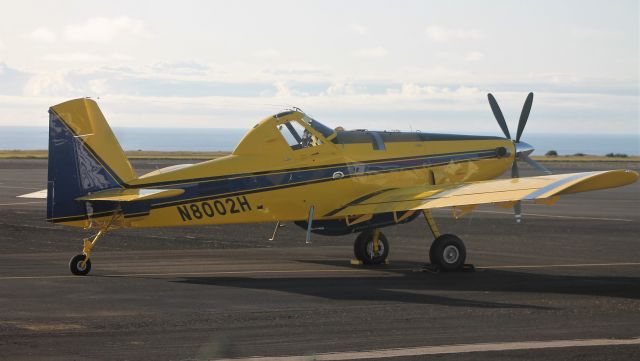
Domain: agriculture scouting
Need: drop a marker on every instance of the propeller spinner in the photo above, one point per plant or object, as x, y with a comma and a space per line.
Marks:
522, 149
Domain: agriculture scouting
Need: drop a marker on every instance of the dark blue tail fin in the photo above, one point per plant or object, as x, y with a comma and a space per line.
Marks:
84, 157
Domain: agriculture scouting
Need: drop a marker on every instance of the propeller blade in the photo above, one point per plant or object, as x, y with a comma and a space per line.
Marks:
498, 114
515, 173
524, 115
517, 209
536, 165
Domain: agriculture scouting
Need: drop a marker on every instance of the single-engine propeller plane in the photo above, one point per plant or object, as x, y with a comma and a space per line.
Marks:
290, 167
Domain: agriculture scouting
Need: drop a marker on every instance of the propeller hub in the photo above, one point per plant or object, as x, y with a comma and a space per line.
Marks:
523, 149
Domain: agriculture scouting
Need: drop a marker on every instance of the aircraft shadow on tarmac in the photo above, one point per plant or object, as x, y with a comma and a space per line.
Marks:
414, 287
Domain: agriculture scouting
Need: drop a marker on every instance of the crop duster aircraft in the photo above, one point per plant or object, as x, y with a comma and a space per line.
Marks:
290, 167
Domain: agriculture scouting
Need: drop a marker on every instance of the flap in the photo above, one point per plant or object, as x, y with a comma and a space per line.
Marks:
493, 191
131, 195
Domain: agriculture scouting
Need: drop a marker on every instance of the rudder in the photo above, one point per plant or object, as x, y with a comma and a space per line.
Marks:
84, 157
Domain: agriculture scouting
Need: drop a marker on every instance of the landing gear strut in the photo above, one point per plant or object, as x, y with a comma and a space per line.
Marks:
80, 264
371, 247
447, 251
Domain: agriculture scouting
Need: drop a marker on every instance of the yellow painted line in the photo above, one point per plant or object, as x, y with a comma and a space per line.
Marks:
345, 270
560, 216
450, 349
17, 204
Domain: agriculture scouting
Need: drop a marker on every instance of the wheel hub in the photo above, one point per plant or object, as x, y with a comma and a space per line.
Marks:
451, 254
372, 253
81, 265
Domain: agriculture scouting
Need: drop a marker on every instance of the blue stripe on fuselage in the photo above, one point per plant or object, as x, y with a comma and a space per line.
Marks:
248, 184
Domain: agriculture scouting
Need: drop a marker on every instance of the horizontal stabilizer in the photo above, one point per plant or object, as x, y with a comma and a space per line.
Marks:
131, 195
41, 194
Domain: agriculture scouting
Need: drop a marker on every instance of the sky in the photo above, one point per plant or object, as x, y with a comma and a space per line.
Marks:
408, 65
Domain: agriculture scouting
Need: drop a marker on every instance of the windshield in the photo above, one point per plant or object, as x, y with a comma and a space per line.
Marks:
321, 128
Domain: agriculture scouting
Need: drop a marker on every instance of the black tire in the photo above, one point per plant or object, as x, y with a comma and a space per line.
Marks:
363, 248
448, 252
75, 265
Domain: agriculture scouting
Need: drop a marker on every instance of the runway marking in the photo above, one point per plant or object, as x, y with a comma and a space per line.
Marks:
449, 349
345, 270
1, 186
560, 216
565, 265
17, 204
214, 273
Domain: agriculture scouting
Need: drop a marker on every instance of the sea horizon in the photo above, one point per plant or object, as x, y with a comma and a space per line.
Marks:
226, 139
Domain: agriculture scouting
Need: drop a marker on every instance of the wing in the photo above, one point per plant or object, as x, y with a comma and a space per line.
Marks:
547, 187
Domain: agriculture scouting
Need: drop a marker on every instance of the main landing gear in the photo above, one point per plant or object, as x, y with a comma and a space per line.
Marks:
447, 252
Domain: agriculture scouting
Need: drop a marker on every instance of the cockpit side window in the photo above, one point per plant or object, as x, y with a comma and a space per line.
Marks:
297, 136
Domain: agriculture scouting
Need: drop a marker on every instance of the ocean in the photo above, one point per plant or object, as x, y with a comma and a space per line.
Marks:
217, 139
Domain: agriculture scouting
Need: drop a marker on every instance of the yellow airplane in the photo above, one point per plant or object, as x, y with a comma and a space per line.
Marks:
290, 167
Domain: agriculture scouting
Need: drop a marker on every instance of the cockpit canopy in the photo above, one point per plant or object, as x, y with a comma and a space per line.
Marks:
292, 128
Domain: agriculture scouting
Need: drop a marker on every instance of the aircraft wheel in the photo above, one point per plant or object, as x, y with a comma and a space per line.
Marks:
448, 252
76, 266
363, 248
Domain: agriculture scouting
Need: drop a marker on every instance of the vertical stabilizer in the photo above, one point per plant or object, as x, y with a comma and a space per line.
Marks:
84, 157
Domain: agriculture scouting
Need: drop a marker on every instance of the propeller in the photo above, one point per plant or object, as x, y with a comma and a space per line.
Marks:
522, 149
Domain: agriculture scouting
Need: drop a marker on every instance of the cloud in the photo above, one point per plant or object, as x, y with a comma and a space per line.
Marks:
473, 56
43, 34
358, 28
184, 67
49, 84
440, 34
82, 57
12, 81
376, 52
267, 53
103, 30
341, 88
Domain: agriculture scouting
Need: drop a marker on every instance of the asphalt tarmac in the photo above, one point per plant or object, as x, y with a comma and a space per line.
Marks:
564, 284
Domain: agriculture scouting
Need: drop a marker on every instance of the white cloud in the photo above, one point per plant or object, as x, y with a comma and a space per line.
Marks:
473, 56
282, 90
267, 53
52, 84
375, 52
358, 28
43, 34
82, 57
102, 30
439, 33
341, 88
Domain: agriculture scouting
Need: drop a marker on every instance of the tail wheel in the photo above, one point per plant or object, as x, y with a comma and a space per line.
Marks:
79, 266
367, 251
448, 252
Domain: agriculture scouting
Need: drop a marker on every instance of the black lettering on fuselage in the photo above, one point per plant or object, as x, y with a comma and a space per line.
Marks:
243, 202
184, 213
211, 208
207, 209
195, 210
233, 208
220, 208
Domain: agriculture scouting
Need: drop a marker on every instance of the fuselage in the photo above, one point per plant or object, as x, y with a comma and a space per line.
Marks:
269, 179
